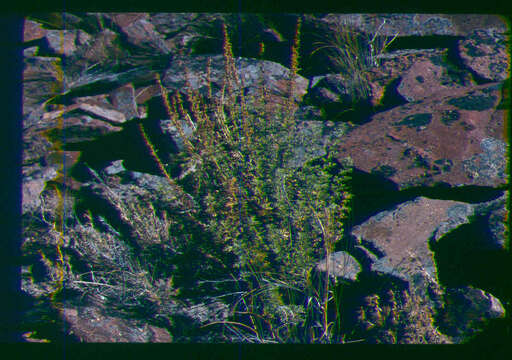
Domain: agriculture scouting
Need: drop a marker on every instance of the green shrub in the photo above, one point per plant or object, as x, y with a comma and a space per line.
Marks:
277, 221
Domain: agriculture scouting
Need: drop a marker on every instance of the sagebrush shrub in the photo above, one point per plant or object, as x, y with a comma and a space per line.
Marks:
278, 221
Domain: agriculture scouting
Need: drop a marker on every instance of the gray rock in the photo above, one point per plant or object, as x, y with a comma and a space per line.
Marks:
169, 129
123, 100
66, 42
253, 73
32, 185
467, 311
115, 167
41, 80
342, 265
30, 51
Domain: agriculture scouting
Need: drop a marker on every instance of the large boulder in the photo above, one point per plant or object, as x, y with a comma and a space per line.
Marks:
453, 136
140, 31
424, 78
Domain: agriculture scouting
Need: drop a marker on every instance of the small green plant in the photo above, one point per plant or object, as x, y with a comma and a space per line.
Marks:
353, 55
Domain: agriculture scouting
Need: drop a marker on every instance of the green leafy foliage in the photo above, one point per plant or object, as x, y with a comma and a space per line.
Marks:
277, 221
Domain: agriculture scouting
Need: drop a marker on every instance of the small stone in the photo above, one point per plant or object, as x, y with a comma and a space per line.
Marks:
341, 264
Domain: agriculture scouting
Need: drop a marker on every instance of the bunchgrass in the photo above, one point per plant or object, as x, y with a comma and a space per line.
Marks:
353, 54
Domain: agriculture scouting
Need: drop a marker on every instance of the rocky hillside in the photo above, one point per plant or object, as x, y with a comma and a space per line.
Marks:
130, 200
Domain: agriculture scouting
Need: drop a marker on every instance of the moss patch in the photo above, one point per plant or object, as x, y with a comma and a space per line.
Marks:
384, 170
473, 102
449, 116
415, 120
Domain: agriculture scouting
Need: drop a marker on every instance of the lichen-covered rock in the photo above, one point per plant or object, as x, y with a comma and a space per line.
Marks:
402, 235
485, 52
398, 243
450, 137
425, 78
418, 24
132, 242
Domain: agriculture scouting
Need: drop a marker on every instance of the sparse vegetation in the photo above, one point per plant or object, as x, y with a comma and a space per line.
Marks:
353, 54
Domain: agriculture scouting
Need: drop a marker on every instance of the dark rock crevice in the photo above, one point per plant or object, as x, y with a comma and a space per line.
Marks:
424, 42
465, 257
374, 193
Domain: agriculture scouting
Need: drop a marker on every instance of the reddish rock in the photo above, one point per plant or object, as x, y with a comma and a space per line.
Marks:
402, 235
486, 53
89, 324
33, 30
93, 107
126, 19
445, 138
108, 114
140, 31
424, 79
145, 93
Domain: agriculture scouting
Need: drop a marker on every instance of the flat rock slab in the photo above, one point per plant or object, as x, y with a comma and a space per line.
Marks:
88, 324
104, 111
33, 30
452, 137
400, 237
80, 128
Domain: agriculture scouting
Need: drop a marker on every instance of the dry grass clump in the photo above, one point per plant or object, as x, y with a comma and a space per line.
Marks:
353, 54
